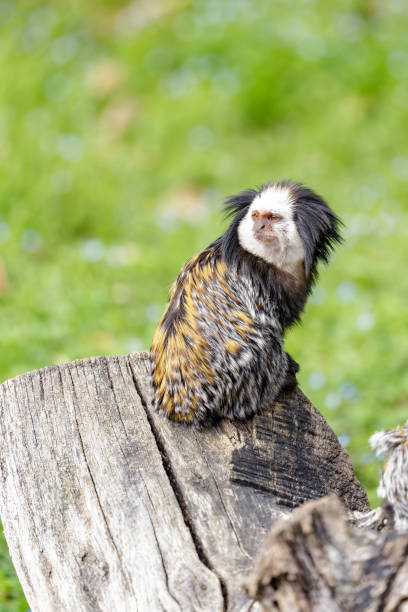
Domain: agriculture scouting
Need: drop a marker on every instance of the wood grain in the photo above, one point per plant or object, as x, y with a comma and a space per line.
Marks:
106, 505
317, 562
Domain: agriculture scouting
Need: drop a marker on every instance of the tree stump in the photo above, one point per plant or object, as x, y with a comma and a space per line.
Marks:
107, 505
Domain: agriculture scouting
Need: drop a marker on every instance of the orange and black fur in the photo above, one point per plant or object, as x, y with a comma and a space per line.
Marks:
218, 349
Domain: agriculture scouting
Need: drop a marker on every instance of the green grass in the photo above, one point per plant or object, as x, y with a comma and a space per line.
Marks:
121, 132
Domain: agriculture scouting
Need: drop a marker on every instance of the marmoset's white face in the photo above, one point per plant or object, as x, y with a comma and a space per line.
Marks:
269, 231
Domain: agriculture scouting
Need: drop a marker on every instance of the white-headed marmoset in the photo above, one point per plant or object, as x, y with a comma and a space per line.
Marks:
218, 349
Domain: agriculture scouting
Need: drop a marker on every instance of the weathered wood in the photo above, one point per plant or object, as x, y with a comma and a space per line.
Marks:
106, 505
316, 562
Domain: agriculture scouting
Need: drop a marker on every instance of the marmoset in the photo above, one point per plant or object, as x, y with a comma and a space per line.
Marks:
218, 349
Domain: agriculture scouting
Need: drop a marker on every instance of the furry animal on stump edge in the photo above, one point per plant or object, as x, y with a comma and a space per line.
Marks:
218, 349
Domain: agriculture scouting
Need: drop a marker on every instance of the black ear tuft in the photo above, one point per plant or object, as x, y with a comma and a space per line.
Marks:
241, 201
318, 226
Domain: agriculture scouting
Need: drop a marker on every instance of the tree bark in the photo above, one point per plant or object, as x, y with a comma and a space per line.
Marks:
107, 505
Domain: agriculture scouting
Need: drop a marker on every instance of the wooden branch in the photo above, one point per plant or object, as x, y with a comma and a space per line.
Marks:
106, 505
317, 561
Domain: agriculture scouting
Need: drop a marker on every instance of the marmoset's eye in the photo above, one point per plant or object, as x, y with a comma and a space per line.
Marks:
274, 217
255, 214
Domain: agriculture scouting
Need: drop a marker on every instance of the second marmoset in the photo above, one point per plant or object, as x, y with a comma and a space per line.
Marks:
218, 349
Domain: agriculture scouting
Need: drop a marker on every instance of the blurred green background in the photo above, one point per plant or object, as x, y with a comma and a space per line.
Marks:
124, 125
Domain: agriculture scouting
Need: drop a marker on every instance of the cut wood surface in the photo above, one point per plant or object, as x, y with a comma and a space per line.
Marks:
107, 505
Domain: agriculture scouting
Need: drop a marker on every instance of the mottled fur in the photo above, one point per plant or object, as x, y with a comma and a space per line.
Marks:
394, 479
218, 349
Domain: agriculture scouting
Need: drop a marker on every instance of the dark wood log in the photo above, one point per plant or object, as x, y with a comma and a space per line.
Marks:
317, 562
107, 505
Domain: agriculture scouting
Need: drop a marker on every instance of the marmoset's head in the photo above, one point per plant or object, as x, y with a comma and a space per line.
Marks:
284, 224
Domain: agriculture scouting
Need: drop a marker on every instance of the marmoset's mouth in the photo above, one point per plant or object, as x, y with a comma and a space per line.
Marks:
264, 236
